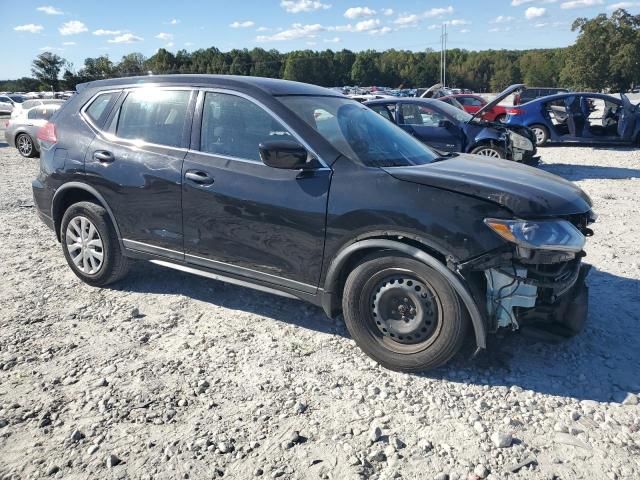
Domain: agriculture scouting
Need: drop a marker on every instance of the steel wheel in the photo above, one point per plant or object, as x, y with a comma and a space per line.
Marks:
25, 145
84, 245
405, 311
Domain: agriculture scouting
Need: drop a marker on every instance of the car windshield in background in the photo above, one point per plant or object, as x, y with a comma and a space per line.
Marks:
358, 132
458, 114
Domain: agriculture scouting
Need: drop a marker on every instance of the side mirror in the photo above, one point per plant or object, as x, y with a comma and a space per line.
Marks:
445, 124
285, 154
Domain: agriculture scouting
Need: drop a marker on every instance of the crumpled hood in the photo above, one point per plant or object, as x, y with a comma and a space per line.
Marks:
526, 191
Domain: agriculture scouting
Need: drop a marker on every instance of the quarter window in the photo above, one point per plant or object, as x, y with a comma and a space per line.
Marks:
235, 126
40, 113
155, 116
97, 111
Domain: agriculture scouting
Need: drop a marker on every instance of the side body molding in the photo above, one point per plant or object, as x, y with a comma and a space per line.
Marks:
457, 284
59, 195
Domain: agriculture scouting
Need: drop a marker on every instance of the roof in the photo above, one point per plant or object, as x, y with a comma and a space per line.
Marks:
271, 86
384, 101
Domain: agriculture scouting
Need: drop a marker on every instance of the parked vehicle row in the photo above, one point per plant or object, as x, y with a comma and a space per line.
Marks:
300, 191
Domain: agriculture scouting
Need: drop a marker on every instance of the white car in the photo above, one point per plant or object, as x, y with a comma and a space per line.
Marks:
18, 108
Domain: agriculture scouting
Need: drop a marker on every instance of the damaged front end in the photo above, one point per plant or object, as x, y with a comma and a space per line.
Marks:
538, 281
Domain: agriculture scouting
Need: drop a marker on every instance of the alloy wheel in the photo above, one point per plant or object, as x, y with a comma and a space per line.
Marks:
488, 152
25, 145
539, 133
84, 245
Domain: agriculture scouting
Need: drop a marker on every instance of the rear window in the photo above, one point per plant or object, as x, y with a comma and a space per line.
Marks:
97, 111
42, 113
155, 116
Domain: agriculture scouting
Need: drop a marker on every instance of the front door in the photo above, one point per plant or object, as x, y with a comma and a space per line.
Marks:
241, 216
627, 120
429, 126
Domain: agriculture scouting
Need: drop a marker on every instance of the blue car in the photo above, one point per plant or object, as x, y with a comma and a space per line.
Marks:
450, 129
584, 118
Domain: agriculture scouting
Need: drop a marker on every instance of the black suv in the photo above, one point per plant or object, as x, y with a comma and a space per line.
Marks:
298, 190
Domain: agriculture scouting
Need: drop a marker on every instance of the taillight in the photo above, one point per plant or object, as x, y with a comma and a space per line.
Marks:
514, 111
47, 133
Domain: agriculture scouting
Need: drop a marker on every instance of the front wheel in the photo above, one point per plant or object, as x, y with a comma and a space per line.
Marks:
501, 118
25, 145
489, 151
541, 134
403, 314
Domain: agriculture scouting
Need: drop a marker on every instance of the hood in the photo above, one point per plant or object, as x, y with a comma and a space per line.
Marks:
498, 98
527, 192
430, 92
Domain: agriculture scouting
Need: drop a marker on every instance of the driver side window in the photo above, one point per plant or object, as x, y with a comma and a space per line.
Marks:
422, 115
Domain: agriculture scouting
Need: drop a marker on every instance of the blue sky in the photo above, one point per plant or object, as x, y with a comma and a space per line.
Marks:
79, 29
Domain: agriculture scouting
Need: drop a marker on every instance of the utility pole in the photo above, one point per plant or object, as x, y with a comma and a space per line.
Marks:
443, 54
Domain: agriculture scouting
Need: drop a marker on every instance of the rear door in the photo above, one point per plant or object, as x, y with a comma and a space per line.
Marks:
241, 216
429, 126
627, 119
135, 162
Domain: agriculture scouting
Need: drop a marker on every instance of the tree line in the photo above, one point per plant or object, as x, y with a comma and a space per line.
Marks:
604, 56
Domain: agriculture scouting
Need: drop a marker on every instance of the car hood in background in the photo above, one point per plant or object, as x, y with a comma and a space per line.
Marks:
527, 192
498, 98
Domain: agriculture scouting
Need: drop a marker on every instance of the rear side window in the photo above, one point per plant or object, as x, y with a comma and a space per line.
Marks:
235, 126
382, 110
97, 111
154, 116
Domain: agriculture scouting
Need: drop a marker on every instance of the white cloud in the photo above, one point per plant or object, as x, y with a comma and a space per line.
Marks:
103, 32
296, 32
174, 21
125, 38
72, 27
245, 24
332, 40
366, 25
457, 22
29, 27
580, 4
165, 36
49, 10
297, 6
438, 12
380, 31
262, 29
387, 12
517, 3
169, 45
407, 19
68, 44
616, 6
188, 44
50, 49
359, 12
535, 12
502, 19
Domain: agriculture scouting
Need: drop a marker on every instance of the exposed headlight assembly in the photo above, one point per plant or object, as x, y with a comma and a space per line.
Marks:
558, 235
520, 142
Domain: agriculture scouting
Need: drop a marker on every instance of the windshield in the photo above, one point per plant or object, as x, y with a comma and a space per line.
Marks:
459, 115
358, 132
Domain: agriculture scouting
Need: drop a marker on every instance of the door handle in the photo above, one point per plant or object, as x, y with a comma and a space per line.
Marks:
103, 156
198, 177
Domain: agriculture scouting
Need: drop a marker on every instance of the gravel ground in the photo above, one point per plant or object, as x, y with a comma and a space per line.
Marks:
173, 376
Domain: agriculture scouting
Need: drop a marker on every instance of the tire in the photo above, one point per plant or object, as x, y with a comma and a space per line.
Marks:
429, 332
491, 151
501, 118
541, 133
100, 241
25, 145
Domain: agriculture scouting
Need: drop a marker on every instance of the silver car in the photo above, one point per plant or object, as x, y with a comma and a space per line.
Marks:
18, 108
21, 131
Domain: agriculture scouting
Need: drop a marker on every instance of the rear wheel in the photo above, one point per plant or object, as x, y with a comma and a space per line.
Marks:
403, 314
91, 246
501, 118
541, 133
489, 151
25, 145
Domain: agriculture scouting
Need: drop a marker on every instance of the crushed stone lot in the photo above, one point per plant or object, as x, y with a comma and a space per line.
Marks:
168, 375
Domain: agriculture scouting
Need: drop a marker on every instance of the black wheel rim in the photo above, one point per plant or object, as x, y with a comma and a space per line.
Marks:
404, 311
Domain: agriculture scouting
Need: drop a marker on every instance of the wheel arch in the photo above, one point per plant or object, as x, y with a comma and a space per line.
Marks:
74, 192
346, 259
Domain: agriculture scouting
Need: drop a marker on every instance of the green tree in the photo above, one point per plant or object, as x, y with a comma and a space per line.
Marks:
46, 68
131, 64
